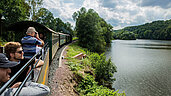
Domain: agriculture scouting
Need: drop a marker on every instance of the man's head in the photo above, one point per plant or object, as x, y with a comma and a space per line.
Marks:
5, 66
14, 51
31, 31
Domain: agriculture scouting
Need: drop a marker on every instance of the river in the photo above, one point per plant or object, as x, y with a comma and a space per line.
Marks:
143, 67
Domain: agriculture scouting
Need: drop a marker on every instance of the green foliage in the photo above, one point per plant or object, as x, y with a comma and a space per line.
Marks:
2, 42
86, 62
156, 30
45, 17
73, 63
59, 24
34, 7
68, 28
74, 49
104, 70
21, 10
74, 38
75, 66
107, 30
94, 58
125, 35
87, 86
92, 31
87, 82
12, 11
10, 7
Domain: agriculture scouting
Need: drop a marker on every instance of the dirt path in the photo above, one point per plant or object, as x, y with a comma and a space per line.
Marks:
61, 78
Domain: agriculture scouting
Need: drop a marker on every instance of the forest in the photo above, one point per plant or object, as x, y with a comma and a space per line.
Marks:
12, 11
93, 32
157, 30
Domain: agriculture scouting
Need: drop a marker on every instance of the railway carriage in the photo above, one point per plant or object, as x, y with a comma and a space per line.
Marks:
53, 41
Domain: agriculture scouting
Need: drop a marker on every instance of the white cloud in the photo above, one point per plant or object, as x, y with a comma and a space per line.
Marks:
119, 13
93, 4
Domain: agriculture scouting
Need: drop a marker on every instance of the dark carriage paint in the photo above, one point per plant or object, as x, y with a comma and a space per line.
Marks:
52, 39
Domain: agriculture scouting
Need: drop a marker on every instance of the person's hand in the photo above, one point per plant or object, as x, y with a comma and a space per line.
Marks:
28, 71
16, 85
37, 35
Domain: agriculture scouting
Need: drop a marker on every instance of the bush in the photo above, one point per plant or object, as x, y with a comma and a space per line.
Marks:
75, 66
104, 70
84, 70
89, 87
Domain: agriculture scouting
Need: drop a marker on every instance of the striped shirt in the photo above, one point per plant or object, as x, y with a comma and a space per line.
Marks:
29, 46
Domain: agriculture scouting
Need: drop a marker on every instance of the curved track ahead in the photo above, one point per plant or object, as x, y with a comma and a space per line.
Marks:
54, 65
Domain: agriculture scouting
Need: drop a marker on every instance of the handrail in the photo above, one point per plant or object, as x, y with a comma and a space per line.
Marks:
31, 71
42, 48
13, 78
9, 82
22, 84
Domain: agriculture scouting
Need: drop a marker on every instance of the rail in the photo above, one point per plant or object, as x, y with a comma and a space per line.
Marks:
55, 41
9, 82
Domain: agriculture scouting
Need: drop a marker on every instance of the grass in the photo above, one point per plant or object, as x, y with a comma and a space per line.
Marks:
84, 74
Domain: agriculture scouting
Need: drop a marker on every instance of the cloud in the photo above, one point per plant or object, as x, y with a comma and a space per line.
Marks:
108, 3
63, 10
161, 3
119, 13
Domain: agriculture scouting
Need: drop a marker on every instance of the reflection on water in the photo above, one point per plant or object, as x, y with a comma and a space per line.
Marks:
153, 44
144, 67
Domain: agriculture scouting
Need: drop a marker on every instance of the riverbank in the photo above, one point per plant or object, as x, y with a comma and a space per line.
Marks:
76, 77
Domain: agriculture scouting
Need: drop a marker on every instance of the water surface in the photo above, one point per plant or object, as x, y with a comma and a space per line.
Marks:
144, 67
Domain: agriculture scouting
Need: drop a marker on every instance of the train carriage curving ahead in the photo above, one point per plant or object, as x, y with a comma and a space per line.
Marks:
53, 41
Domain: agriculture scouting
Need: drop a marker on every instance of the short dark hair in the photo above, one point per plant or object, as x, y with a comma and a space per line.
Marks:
11, 47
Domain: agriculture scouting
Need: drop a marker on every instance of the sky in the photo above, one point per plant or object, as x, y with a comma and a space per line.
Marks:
118, 13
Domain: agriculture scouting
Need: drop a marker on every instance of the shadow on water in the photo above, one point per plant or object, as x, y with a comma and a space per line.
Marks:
155, 48
154, 44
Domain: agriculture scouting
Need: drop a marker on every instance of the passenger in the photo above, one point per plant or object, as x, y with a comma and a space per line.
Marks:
29, 89
42, 36
15, 53
30, 42
40, 47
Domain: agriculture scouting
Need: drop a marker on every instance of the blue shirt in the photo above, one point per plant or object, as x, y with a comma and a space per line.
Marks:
29, 46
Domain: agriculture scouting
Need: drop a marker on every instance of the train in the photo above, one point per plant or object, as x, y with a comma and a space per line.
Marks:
53, 41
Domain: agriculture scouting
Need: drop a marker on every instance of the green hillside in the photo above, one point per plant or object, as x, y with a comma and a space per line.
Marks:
159, 30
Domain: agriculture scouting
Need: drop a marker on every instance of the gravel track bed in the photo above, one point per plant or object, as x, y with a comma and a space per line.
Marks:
53, 67
61, 79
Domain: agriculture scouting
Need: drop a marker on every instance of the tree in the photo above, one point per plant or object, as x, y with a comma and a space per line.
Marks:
107, 30
59, 24
87, 27
46, 18
35, 5
148, 34
168, 32
68, 27
159, 30
104, 70
93, 32
14, 10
